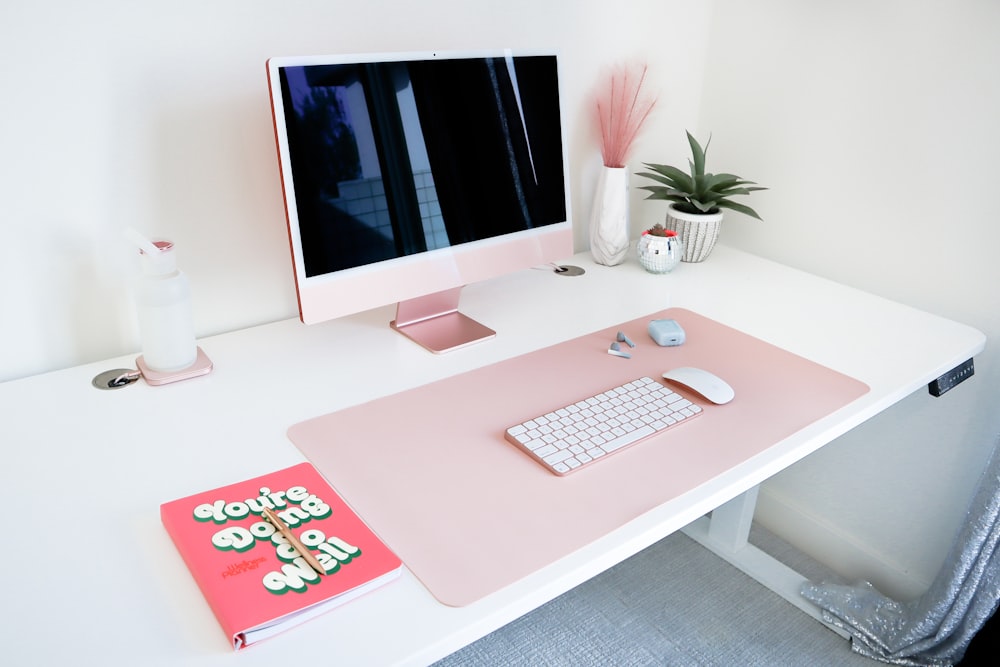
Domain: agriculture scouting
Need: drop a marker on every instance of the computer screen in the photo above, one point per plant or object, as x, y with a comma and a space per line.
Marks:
408, 176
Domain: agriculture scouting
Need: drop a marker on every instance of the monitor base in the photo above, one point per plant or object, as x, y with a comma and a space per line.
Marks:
434, 323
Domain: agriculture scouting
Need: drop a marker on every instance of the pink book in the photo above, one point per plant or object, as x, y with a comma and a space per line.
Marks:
255, 581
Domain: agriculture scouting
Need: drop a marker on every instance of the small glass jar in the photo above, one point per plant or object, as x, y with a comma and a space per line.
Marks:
660, 254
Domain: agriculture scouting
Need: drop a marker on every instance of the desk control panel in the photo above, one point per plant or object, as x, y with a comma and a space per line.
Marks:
952, 378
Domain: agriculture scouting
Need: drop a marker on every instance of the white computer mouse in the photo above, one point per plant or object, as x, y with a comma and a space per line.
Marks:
700, 381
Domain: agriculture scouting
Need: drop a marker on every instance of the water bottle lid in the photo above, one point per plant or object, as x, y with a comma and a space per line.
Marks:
162, 245
163, 261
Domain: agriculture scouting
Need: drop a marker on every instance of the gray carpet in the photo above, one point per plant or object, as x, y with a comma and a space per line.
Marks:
673, 604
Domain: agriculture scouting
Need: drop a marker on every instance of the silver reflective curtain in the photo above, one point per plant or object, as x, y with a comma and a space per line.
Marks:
936, 628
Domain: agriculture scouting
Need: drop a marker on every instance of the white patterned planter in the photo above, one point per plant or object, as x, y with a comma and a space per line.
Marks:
697, 232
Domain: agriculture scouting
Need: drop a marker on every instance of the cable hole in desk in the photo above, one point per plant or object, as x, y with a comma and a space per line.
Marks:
568, 270
116, 378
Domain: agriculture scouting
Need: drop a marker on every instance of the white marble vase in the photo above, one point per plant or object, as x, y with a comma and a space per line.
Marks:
609, 217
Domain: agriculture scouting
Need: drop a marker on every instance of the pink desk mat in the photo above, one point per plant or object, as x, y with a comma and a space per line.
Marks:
430, 471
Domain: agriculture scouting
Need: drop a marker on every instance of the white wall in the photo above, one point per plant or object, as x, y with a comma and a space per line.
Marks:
872, 122
156, 116
876, 126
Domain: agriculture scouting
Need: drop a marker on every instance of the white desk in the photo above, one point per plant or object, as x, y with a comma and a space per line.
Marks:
89, 570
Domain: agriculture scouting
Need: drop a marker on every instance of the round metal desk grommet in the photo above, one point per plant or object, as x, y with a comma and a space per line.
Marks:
569, 270
116, 378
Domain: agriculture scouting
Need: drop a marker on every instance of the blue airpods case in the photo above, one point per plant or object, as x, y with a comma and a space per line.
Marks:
666, 333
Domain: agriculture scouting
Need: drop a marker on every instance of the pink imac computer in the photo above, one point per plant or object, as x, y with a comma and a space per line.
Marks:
408, 176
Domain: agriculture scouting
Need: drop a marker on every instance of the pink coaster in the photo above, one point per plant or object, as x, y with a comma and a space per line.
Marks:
468, 513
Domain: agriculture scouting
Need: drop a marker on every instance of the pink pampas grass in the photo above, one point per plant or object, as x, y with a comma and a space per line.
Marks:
621, 111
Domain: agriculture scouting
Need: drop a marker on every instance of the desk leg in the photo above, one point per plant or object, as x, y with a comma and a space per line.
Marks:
725, 534
729, 526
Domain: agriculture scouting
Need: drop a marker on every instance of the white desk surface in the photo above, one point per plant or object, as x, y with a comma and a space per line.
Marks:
89, 571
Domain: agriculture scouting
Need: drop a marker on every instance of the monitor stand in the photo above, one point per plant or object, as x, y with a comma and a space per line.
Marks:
433, 321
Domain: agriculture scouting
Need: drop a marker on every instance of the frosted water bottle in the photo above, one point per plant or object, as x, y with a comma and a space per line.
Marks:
163, 301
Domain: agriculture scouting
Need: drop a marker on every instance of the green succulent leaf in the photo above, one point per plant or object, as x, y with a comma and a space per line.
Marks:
700, 184
719, 182
704, 205
698, 163
668, 175
733, 191
733, 206
659, 191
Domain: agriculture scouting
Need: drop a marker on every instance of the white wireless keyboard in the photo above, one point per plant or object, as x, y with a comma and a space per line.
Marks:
578, 435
